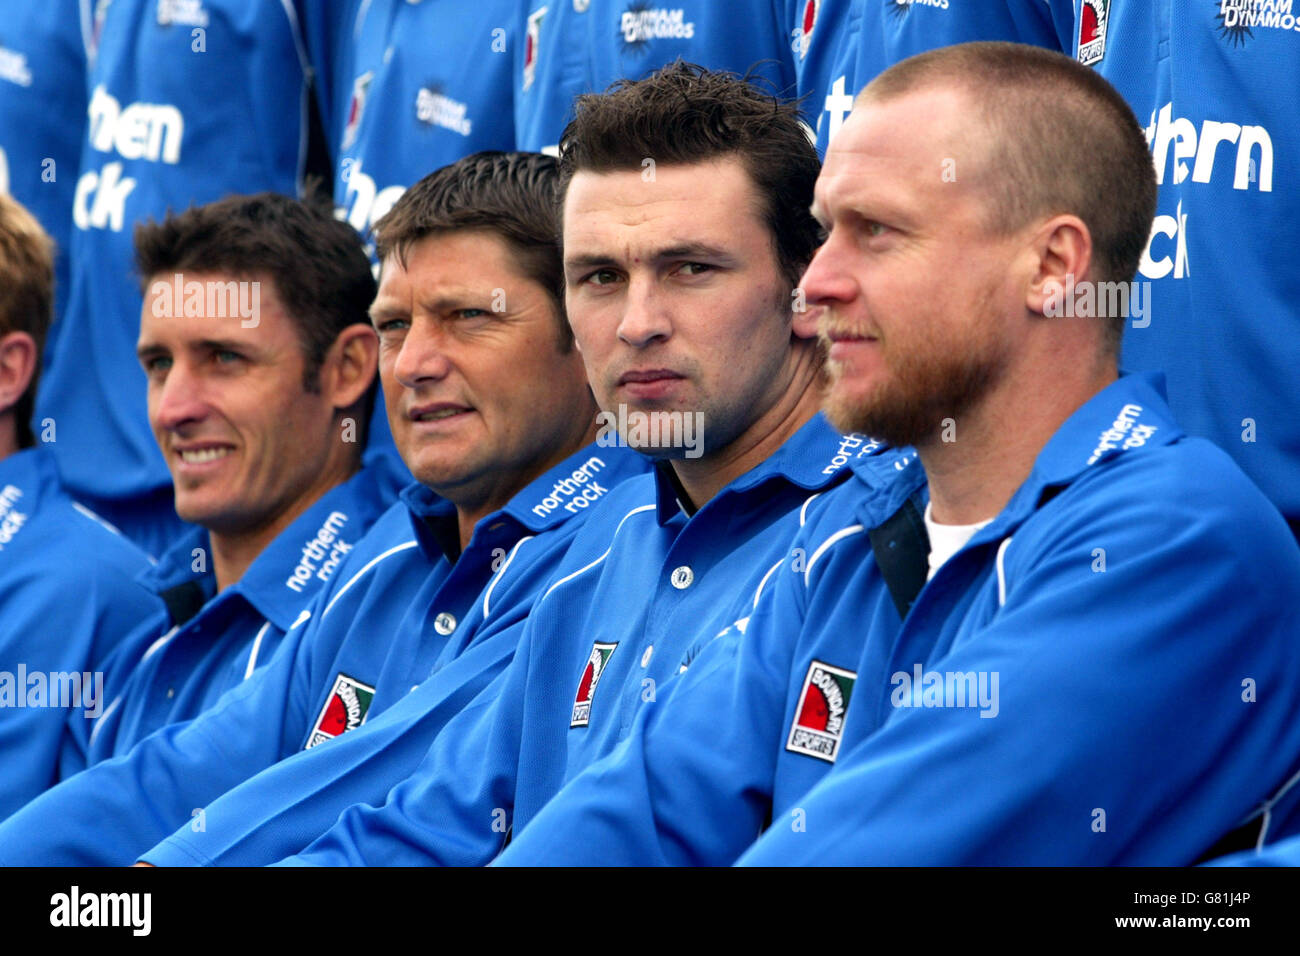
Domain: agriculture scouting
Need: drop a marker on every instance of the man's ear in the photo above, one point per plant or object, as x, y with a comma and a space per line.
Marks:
1060, 255
18, 360
350, 366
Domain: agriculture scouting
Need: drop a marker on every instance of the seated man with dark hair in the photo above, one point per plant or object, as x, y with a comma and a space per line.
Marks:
490, 409
67, 589
1046, 639
686, 226
261, 370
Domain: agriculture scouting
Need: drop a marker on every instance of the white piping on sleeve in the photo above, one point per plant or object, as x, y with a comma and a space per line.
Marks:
257, 646
487, 596
821, 549
580, 571
1002, 572
404, 546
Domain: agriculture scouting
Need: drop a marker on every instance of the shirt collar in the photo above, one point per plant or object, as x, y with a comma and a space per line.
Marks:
813, 458
1129, 415
561, 493
284, 578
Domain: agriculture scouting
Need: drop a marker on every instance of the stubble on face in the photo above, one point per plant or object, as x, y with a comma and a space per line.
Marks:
928, 377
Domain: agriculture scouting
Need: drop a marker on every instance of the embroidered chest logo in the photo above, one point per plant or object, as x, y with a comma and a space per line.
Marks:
600, 654
345, 709
819, 717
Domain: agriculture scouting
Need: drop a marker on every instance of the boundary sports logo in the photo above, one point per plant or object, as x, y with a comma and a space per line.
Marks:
345, 709
1094, 16
819, 717
600, 654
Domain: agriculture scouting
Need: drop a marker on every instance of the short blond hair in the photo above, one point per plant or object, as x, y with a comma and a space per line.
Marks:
26, 292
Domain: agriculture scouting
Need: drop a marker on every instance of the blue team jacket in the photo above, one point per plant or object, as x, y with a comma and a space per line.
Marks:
1113, 601
1212, 84
67, 595
641, 583
404, 606
176, 664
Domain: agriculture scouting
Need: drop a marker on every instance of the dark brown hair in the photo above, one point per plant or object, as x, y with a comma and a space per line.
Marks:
319, 267
683, 114
1060, 139
510, 194
26, 294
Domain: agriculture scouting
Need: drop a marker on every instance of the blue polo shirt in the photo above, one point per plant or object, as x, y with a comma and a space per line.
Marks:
67, 595
178, 663
1106, 618
407, 605
642, 581
1138, 679
1212, 86
582, 46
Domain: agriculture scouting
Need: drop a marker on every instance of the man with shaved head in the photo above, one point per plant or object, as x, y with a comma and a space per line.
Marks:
1042, 639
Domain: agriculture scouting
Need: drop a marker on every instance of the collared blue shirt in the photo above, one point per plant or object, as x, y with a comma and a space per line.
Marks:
1212, 87
641, 583
67, 595
407, 607
572, 48
1096, 619
179, 663
1138, 679
425, 84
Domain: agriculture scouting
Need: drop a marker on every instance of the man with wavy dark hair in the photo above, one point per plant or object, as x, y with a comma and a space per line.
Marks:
686, 225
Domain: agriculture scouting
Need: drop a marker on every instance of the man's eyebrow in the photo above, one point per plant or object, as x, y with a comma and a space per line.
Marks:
681, 250
383, 310
149, 349
588, 260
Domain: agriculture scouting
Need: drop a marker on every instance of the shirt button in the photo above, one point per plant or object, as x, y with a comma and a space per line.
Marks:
415, 688
171, 692
645, 658
444, 623
580, 6
682, 578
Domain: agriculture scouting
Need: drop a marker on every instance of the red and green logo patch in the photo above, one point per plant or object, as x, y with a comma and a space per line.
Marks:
600, 654
819, 716
345, 709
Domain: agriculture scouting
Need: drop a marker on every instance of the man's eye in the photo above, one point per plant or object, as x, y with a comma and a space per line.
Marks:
470, 313
226, 356
696, 268
157, 363
601, 277
875, 229
392, 325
